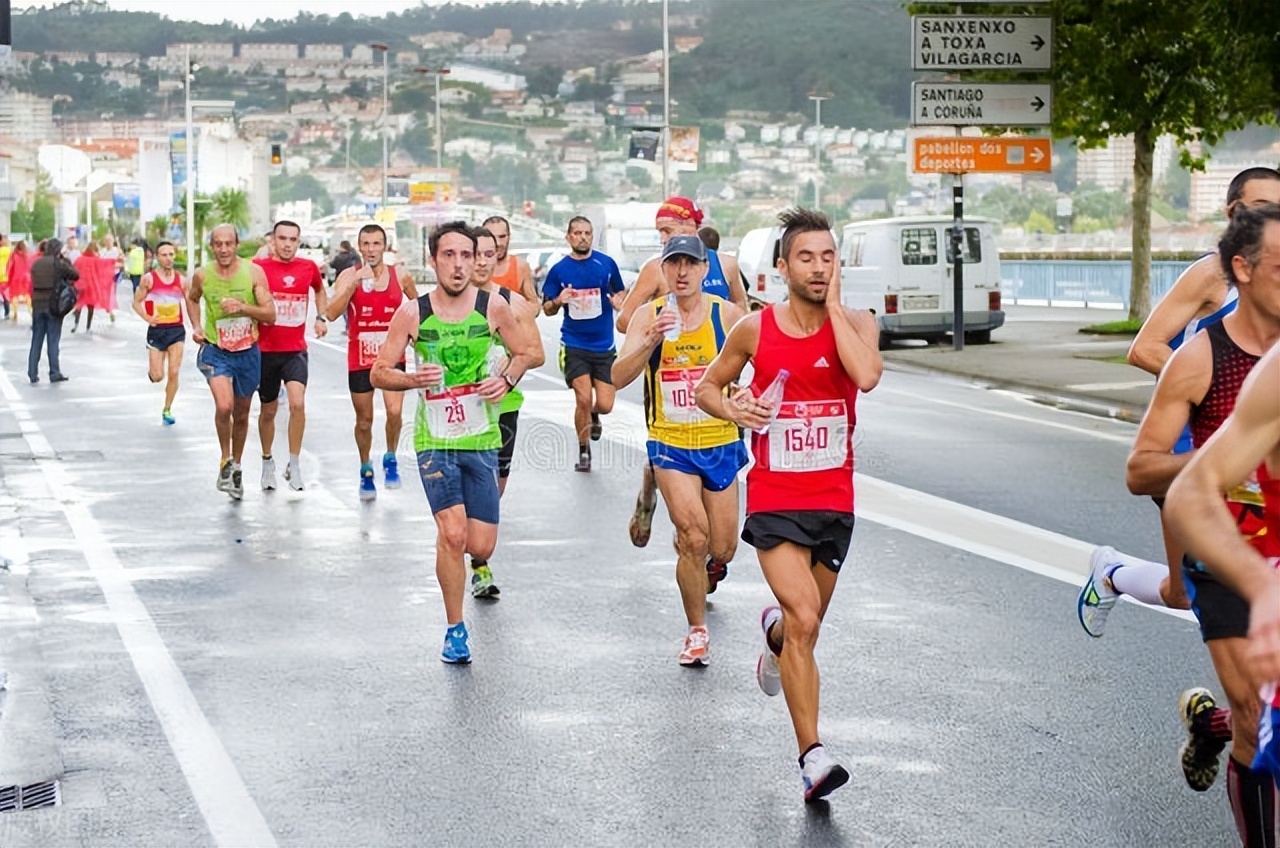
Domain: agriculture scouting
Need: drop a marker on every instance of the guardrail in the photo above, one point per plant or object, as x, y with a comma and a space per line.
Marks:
1099, 283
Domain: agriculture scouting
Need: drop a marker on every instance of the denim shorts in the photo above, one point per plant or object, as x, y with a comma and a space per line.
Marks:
243, 367
461, 477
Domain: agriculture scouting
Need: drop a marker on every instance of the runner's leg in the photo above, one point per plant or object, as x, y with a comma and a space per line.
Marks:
240, 409
362, 402
173, 361
155, 365
722, 517
267, 425
451, 573
393, 403
223, 401
682, 494
296, 394
582, 409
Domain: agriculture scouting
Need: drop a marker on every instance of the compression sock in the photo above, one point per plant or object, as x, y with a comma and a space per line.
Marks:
1140, 581
1213, 724
1253, 803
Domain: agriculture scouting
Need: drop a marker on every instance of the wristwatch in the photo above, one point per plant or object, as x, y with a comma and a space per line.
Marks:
511, 381
322, 318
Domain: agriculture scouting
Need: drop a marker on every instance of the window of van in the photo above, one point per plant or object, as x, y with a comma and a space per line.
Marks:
972, 246
855, 244
920, 246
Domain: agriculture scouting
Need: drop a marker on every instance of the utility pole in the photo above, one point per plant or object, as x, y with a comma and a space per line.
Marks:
384, 49
189, 182
817, 143
666, 99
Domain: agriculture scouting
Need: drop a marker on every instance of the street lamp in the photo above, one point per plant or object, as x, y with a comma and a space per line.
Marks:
817, 142
666, 99
384, 50
437, 73
188, 185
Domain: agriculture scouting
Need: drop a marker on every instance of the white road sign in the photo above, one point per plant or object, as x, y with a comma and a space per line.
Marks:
981, 104
980, 43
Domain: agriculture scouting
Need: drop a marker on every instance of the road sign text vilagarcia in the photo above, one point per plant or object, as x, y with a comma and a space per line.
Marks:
976, 43
979, 104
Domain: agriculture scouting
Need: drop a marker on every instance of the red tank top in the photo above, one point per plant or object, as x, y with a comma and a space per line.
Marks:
805, 460
164, 300
510, 279
1268, 541
368, 316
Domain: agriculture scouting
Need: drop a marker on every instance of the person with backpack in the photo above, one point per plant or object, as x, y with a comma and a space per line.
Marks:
51, 275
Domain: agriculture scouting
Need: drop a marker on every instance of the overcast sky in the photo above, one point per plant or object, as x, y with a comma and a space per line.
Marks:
245, 12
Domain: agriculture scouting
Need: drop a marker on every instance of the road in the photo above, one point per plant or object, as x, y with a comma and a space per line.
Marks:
267, 672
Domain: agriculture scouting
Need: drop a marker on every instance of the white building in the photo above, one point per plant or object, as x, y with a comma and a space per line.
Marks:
1110, 167
490, 79
118, 59
268, 53
205, 52
1208, 197
26, 117
323, 52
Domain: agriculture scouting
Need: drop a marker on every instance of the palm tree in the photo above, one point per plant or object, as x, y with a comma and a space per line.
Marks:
231, 206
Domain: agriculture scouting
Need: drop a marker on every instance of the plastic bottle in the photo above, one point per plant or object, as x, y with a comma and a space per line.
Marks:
495, 361
773, 395
365, 275
433, 358
671, 306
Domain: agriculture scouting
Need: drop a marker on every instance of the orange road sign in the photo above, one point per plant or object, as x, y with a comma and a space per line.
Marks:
969, 155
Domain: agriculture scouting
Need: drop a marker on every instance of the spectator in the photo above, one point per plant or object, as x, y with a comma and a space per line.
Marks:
6, 250
46, 330
18, 269
97, 285
343, 259
136, 262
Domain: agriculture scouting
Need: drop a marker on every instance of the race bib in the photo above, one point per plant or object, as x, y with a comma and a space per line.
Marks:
456, 413
166, 311
584, 304
809, 437
235, 333
291, 310
678, 405
370, 344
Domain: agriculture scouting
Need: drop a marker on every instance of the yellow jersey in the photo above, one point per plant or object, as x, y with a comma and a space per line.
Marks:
673, 371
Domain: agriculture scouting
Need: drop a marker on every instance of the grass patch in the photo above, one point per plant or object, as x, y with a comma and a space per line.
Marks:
1113, 328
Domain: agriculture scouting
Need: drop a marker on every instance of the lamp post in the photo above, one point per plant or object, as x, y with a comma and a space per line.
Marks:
384, 50
817, 142
666, 100
437, 73
189, 184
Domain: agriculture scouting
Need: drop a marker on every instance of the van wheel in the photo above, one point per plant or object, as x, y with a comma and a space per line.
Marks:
886, 343
977, 337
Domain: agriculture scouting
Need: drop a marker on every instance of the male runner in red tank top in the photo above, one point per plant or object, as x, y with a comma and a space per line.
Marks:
1199, 386
800, 490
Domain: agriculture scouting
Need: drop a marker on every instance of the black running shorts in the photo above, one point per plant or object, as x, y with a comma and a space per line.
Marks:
826, 534
575, 363
278, 368
358, 381
1221, 612
508, 422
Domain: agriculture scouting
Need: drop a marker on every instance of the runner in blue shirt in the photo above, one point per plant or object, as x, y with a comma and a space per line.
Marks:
588, 284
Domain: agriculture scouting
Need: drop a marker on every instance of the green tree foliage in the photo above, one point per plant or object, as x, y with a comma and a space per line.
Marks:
1193, 69
544, 81
230, 206
36, 215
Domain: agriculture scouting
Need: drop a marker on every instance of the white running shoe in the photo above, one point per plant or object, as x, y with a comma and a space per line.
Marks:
1097, 595
224, 477
697, 648
821, 774
237, 482
268, 475
768, 675
293, 475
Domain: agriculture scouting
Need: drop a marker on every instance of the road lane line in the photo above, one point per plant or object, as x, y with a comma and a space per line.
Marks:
230, 813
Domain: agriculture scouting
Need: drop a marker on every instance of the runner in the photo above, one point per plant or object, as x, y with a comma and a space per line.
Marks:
284, 347
510, 272
589, 284
482, 585
456, 434
158, 301
676, 216
696, 457
368, 293
1199, 385
232, 296
800, 489
1199, 298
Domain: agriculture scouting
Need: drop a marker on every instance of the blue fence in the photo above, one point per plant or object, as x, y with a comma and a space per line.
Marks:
1079, 282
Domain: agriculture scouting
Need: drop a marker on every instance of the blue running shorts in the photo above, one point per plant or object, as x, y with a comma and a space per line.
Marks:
718, 467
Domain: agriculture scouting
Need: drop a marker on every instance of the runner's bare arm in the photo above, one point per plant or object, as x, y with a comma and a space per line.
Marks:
743, 408
264, 311
643, 335
140, 296
503, 320
1197, 293
407, 285
195, 292
648, 285
731, 314
402, 330
733, 276
1196, 510
321, 328
1185, 380
857, 338
527, 319
343, 288
525, 273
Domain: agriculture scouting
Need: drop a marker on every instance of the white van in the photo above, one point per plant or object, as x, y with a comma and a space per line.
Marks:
758, 258
900, 269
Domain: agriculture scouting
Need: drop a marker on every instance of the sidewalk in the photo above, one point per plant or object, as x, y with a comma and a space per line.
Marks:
1041, 351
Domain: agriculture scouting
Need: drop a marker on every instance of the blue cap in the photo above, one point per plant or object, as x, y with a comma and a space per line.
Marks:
690, 246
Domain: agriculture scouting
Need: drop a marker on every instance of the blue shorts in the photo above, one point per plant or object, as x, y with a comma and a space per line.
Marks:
718, 467
244, 367
468, 478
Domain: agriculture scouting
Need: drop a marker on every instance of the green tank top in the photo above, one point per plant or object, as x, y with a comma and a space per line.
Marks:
232, 333
457, 418
514, 399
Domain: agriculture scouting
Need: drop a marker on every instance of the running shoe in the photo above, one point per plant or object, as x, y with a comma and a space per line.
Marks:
642, 521
268, 475
584, 461
457, 645
293, 475
482, 585
821, 774
167, 418
237, 482
768, 675
390, 471
696, 652
368, 491
224, 477
596, 429
716, 571
1098, 596
1200, 752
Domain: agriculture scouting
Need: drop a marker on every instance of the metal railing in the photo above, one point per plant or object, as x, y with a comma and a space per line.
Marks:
1102, 283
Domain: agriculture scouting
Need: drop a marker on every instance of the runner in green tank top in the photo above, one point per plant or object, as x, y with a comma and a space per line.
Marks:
452, 330
232, 296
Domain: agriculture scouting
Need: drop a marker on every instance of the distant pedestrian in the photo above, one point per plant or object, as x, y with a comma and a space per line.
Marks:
46, 329
136, 262
97, 285
6, 250
343, 259
18, 270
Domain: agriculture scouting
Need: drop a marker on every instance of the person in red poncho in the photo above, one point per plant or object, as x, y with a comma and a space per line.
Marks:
19, 274
97, 285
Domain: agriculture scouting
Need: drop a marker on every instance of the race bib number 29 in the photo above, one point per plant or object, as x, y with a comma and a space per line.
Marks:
809, 437
456, 413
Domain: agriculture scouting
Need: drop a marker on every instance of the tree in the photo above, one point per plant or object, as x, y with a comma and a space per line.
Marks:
1194, 70
544, 81
230, 206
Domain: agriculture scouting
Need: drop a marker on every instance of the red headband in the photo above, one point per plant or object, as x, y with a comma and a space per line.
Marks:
681, 208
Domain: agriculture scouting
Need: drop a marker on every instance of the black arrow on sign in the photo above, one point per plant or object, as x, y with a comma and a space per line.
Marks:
1037, 43
1037, 103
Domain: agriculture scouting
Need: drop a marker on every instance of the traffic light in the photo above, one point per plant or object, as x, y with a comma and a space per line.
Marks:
277, 155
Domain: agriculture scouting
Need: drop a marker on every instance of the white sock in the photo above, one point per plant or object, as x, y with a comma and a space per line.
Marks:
293, 459
1140, 580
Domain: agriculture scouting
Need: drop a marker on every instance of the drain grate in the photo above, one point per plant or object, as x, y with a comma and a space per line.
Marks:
31, 797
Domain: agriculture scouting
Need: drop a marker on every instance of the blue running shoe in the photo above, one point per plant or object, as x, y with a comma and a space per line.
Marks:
167, 418
368, 491
390, 471
457, 648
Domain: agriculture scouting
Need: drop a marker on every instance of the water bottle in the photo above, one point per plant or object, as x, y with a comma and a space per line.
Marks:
674, 333
365, 275
773, 395
495, 361
433, 358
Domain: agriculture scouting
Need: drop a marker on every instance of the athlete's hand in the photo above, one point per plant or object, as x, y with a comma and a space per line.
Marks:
566, 295
231, 305
428, 374
666, 320
197, 336
152, 321
492, 389
617, 299
833, 288
747, 410
322, 328
1263, 652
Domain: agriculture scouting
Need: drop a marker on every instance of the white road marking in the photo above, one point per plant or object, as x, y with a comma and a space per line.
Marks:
232, 816
1106, 387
